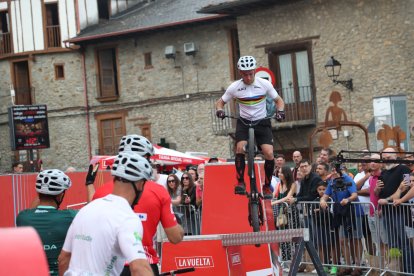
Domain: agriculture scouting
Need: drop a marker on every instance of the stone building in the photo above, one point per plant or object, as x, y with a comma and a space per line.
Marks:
157, 68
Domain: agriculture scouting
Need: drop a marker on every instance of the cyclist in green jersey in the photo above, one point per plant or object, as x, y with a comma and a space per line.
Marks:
50, 223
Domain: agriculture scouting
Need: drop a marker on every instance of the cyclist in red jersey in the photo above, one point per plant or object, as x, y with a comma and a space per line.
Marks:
153, 207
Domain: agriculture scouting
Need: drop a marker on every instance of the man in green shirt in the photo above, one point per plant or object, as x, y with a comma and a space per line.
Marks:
50, 223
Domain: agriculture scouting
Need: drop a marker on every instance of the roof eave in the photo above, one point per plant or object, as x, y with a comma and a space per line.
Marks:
145, 29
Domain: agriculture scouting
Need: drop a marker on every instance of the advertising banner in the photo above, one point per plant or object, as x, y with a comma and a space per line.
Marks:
28, 127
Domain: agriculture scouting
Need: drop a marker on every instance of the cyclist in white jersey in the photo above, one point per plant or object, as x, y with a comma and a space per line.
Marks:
250, 94
106, 233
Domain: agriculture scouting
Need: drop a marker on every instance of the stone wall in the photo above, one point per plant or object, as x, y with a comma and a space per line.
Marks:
175, 96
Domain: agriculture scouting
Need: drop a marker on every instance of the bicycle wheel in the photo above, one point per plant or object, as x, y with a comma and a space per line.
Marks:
254, 216
250, 158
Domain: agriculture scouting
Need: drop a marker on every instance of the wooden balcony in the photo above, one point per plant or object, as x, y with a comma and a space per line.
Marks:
53, 37
5, 44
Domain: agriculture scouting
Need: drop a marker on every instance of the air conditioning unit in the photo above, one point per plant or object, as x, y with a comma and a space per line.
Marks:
170, 51
190, 49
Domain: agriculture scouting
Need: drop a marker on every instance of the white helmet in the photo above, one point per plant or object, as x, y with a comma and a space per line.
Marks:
52, 182
131, 166
246, 63
136, 143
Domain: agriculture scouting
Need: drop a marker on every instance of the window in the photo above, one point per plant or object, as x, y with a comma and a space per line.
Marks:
234, 52
391, 111
146, 131
59, 72
148, 61
107, 74
5, 39
103, 9
293, 70
111, 128
4, 22
52, 25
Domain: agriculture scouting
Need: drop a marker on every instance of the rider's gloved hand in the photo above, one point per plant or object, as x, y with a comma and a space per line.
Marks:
280, 115
90, 177
220, 113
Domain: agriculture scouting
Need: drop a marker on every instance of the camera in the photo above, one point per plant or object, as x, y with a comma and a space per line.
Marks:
340, 184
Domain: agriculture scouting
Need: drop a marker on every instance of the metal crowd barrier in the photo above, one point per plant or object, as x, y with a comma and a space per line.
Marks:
350, 239
189, 218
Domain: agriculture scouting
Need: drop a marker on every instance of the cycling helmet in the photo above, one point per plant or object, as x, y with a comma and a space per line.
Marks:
131, 166
52, 182
136, 143
246, 63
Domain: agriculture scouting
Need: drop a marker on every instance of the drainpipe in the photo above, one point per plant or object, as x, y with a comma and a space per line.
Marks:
85, 87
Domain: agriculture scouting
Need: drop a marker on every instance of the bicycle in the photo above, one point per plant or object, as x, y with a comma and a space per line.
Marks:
255, 198
178, 271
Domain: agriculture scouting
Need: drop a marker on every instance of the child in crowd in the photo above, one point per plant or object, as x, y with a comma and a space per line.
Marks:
322, 221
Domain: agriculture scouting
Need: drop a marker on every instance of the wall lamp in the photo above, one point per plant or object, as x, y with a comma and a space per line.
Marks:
333, 68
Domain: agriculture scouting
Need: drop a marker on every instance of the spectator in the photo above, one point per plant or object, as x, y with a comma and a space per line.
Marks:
107, 229
307, 185
361, 180
199, 191
307, 192
394, 217
375, 220
323, 238
213, 160
342, 189
17, 167
410, 156
283, 191
49, 222
200, 169
296, 157
322, 169
193, 171
188, 190
188, 199
326, 155
280, 160
158, 177
174, 189
70, 170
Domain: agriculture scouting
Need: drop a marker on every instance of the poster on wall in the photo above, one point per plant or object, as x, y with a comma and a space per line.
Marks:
28, 127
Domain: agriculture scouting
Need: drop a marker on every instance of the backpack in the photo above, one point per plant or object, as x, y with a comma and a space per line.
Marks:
270, 107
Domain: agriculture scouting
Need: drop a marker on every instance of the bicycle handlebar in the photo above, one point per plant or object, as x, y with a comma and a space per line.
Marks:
178, 271
243, 120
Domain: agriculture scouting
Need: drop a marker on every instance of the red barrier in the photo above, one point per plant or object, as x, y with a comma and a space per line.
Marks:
21, 252
223, 213
207, 255
18, 192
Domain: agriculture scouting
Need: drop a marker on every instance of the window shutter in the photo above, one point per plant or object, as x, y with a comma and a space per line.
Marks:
107, 73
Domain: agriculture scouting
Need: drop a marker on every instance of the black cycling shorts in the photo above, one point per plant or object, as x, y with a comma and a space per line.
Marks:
262, 131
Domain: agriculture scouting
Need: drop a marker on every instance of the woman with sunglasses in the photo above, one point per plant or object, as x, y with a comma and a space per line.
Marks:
174, 189
188, 199
188, 190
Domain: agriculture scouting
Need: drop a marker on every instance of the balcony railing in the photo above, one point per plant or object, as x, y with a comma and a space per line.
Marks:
53, 36
300, 109
5, 44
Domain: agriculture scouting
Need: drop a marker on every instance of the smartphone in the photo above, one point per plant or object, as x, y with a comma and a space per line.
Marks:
381, 178
407, 178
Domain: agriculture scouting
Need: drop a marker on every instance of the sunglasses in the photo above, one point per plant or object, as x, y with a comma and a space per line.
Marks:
170, 180
185, 177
